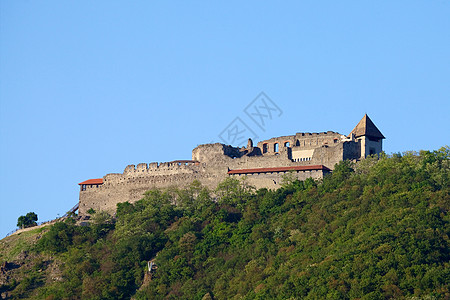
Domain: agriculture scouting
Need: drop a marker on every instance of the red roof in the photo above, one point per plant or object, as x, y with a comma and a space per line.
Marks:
279, 169
92, 181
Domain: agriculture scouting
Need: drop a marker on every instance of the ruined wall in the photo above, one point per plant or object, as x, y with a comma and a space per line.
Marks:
301, 140
211, 162
283, 142
216, 161
212, 152
135, 181
274, 180
306, 140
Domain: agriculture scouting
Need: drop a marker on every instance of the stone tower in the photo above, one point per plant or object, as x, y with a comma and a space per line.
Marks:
369, 136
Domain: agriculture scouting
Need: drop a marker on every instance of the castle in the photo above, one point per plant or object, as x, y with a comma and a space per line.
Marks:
305, 154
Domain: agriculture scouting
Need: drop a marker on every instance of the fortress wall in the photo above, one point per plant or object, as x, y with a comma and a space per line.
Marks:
136, 180
213, 152
132, 189
352, 150
265, 161
313, 140
210, 165
105, 197
92, 199
305, 140
274, 180
326, 135
153, 169
211, 162
281, 141
328, 155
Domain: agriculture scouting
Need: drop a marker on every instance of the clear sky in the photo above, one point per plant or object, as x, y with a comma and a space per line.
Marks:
88, 87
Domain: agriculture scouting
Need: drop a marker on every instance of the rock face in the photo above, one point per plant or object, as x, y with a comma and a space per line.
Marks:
305, 154
18, 262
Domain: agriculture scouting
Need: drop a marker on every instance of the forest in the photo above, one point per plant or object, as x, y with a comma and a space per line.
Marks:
375, 229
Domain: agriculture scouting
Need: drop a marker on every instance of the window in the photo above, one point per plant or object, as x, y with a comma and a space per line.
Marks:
275, 147
265, 148
83, 187
287, 144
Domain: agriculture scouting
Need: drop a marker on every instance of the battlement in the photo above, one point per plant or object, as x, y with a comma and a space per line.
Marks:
310, 155
316, 133
163, 166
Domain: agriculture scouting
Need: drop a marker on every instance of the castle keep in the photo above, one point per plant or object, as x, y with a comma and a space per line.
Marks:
305, 154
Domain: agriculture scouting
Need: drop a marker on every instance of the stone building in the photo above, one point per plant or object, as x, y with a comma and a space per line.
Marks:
305, 154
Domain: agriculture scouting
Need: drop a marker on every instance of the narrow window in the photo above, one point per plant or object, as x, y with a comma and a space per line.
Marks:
275, 147
264, 148
83, 187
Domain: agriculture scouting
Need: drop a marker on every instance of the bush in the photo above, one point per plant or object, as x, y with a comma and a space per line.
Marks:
29, 220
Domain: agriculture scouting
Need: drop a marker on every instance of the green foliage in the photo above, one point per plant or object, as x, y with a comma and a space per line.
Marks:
29, 220
377, 229
234, 192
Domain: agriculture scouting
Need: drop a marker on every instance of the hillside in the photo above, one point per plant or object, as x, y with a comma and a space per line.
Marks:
375, 230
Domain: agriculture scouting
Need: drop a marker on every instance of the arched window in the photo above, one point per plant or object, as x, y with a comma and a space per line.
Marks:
265, 148
275, 147
287, 144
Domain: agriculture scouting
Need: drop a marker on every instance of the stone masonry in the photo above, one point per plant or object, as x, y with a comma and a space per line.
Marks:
305, 154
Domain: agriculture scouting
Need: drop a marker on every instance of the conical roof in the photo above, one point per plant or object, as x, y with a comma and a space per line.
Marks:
367, 128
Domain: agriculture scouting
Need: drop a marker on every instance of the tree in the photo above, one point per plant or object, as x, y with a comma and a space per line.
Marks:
29, 220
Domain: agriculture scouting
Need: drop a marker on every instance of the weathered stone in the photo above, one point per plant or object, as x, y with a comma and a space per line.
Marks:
211, 164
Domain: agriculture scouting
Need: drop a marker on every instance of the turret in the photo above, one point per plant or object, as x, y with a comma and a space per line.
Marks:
369, 136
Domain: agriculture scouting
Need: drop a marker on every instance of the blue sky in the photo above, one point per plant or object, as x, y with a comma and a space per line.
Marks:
88, 87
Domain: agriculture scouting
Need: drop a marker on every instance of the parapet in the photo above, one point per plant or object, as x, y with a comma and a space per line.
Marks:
314, 134
155, 166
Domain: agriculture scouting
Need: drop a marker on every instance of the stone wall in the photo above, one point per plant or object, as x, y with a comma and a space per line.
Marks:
301, 140
370, 146
211, 162
213, 152
274, 180
217, 160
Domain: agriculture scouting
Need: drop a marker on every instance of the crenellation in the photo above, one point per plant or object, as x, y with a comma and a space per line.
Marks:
153, 165
308, 154
142, 167
129, 169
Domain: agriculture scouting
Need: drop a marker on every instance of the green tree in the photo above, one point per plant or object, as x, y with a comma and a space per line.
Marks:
29, 220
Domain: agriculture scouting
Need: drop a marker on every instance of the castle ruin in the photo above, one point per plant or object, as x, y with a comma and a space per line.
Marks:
305, 154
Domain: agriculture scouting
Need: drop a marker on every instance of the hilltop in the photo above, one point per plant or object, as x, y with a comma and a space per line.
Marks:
377, 229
